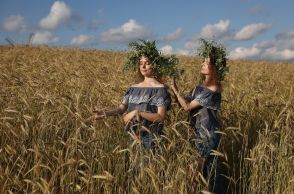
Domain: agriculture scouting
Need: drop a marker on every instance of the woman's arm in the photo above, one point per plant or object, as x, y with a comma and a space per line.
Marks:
184, 104
153, 117
100, 114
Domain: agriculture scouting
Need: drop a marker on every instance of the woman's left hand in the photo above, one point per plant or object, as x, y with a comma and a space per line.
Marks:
128, 117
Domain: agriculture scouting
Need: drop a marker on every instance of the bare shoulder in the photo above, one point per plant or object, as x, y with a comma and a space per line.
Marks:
156, 85
159, 85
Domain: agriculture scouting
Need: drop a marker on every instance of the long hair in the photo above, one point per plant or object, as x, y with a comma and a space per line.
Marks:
213, 69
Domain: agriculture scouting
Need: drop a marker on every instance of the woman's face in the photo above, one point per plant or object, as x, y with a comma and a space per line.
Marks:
206, 67
146, 67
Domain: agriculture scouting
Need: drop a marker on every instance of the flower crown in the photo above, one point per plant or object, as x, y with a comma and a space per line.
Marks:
217, 53
161, 65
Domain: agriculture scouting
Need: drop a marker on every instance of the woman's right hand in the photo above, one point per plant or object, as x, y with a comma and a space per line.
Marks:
172, 84
128, 117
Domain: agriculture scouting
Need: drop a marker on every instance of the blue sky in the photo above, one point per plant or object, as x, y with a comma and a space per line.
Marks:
250, 29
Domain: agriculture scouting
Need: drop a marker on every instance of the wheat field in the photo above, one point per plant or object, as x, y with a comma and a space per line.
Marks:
48, 144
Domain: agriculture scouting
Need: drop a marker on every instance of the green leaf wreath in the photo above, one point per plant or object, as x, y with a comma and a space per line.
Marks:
161, 65
218, 53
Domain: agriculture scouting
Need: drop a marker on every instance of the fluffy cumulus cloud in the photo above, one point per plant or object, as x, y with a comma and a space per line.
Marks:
215, 31
82, 40
218, 31
167, 49
14, 23
251, 31
59, 14
243, 53
44, 37
277, 49
274, 53
173, 36
127, 32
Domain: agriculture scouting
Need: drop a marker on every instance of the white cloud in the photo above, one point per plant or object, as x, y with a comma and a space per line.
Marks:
174, 35
44, 37
59, 14
258, 53
251, 31
167, 49
274, 53
220, 30
127, 32
183, 52
243, 53
81, 40
215, 31
14, 24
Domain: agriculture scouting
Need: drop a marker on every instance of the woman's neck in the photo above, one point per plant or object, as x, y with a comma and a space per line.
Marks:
209, 80
150, 80
211, 83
